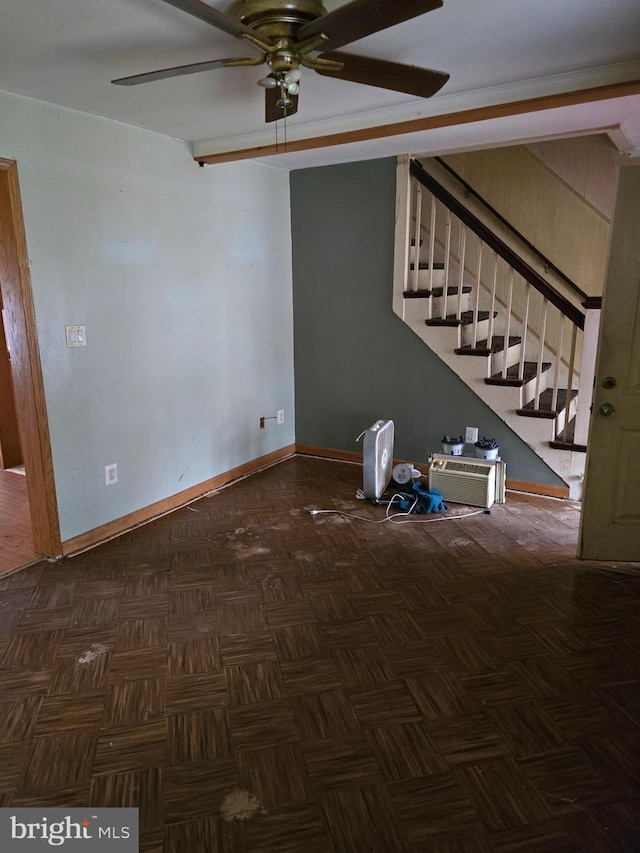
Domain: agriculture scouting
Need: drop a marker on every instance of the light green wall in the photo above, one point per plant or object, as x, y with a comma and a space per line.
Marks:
355, 360
182, 277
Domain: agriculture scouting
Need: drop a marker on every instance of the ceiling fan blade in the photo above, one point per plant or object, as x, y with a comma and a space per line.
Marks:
361, 18
212, 16
423, 82
177, 71
272, 112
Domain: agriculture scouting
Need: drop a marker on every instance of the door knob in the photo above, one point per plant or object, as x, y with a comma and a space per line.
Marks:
606, 409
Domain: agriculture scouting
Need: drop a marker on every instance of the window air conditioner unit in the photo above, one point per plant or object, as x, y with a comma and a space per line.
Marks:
377, 459
464, 480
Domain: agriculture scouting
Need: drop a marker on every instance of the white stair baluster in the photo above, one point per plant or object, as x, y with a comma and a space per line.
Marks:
447, 264
461, 255
477, 299
432, 244
543, 332
507, 331
416, 242
572, 359
525, 325
492, 308
556, 372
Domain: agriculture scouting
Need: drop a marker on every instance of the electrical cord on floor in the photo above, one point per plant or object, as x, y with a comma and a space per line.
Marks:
397, 517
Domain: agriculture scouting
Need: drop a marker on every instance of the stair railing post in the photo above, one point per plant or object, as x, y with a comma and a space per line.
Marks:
447, 263
507, 331
587, 369
476, 306
556, 372
525, 328
492, 307
432, 246
461, 257
543, 333
569, 394
416, 241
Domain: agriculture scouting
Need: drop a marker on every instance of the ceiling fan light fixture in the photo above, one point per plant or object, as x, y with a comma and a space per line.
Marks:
293, 76
268, 82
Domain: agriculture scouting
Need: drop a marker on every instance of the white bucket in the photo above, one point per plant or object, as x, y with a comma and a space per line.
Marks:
453, 448
486, 452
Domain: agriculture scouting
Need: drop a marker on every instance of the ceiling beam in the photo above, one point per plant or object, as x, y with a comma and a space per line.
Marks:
476, 114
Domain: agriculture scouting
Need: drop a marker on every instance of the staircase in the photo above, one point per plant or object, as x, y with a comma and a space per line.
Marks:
520, 335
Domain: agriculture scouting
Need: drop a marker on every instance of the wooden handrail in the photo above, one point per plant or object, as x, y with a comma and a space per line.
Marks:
507, 224
487, 236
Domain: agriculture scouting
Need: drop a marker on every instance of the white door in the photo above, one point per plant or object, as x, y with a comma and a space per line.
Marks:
610, 527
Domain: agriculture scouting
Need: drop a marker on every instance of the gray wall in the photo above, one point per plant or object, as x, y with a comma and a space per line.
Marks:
355, 360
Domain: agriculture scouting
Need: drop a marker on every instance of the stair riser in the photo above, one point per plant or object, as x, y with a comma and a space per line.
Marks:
439, 309
565, 416
529, 390
513, 357
482, 332
425, 281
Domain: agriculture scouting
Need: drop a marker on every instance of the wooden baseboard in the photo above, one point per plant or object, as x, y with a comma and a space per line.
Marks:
329, 453
538, 489
149, 513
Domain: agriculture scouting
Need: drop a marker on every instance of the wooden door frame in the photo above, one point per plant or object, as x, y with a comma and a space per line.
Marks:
22, 335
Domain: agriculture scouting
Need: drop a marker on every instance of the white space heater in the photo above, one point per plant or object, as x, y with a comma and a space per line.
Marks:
476, 482
377, 459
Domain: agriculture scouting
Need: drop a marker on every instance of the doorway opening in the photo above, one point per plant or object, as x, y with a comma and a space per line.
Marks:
32, 497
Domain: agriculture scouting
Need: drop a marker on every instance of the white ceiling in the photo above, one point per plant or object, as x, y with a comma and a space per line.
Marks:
67, 51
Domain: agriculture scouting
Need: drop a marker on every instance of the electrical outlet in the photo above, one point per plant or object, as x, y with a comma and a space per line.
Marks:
280, 416
111, 474
471, 435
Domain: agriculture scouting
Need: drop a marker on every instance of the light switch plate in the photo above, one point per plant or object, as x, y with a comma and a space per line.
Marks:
76, 336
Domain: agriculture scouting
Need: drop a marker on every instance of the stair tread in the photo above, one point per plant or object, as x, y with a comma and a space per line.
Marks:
512, 379
425, 265
466, 318
482, 347
452, 290
544, 409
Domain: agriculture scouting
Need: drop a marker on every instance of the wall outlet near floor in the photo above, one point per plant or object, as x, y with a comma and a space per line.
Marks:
471, 435
111, 474
280, 416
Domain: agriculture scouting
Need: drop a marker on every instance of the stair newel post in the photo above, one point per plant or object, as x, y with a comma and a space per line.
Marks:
543, 333
586, 380
507, 331
432, 246
525, 329
461, 255
415, 249
447, 263
492, 307
572, 361
556, 372
477, 299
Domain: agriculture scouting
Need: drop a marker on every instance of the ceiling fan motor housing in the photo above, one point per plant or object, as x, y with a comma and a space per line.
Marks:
274, 19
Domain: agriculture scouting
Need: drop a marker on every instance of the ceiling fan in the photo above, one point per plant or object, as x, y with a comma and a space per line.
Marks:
290, 34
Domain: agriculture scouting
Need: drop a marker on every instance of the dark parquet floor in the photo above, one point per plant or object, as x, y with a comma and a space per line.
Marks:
260, 680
